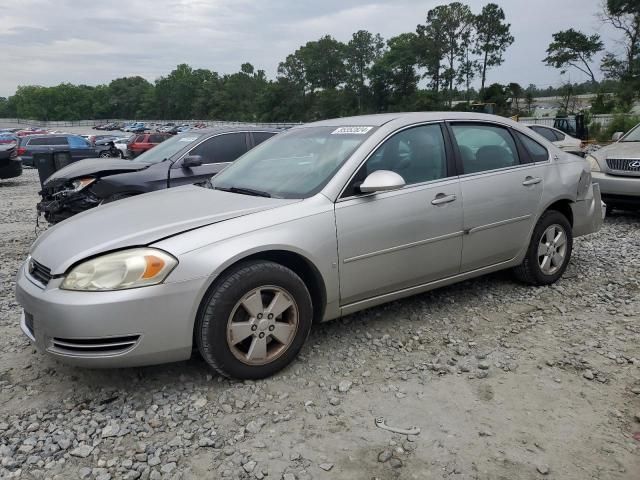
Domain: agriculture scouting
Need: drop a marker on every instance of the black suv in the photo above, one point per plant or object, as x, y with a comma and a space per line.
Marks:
184, 159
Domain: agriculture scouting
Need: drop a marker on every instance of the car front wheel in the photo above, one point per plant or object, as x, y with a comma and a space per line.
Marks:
549, 251
254, 321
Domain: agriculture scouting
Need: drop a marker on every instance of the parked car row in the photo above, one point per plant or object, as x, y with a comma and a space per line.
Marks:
180, 160
319, 221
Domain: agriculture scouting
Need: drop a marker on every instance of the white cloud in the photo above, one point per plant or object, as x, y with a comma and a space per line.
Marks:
45, 43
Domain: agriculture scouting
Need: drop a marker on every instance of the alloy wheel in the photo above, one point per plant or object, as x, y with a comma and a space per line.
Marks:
552, 249
262, 325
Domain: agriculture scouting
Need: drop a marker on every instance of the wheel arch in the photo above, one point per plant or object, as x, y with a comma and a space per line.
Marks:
563, 206
295, 261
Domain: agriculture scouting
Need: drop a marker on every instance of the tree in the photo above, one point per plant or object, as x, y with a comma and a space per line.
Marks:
324, 63
394, 77
624, 15
493, 37
453, 22
515, 90
430, 48
528, 100
571, 48
361, 52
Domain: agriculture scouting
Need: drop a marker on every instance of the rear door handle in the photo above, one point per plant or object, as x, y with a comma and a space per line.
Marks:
531, 181
442, 198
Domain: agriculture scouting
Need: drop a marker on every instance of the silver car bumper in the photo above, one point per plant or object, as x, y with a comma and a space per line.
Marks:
588, 213
617, 185
124, 328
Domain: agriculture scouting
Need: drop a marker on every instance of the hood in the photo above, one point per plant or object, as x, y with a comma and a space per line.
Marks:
95, 167
141, 220
618, 150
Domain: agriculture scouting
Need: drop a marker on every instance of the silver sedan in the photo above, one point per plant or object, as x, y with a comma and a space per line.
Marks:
321, 221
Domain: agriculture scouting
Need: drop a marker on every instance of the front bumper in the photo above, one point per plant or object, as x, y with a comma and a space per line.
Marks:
617, 184
126, 328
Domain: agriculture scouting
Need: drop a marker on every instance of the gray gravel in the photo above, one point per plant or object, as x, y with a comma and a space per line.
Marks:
503, 380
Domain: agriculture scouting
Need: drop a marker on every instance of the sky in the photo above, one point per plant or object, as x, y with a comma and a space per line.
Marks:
45, 42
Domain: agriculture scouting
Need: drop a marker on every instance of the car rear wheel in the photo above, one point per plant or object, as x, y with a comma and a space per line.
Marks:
549, 251
254, 321
105, 154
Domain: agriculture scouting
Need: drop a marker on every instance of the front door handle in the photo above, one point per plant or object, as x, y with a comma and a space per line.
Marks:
531, 181
443, 198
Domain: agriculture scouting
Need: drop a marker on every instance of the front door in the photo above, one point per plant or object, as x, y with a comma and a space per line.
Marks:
501, 193
217, 152
392, 240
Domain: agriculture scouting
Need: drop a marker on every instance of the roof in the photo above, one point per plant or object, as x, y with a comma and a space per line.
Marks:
383, 118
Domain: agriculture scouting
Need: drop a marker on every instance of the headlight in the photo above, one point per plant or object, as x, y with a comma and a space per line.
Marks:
138, 267
81, 183
593, 163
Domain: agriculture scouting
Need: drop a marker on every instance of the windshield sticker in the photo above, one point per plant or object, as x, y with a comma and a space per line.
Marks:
351, 130
188, 139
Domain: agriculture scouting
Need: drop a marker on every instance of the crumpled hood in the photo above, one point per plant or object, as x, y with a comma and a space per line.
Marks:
141, 220
618, 150
94, 167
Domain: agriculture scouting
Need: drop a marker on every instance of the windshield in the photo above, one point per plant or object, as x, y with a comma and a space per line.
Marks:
293, 164
166, 149
633, 135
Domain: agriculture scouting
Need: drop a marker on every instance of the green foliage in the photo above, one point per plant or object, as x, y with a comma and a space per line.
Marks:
619, 123
571, 48
429, 69
493, 37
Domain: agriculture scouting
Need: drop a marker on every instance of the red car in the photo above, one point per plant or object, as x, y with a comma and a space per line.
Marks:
25, 133
145, 141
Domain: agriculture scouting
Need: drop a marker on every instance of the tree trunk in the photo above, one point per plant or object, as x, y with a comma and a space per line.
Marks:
484, 71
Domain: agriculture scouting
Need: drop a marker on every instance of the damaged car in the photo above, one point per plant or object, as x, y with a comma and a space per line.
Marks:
323, 220
181, 160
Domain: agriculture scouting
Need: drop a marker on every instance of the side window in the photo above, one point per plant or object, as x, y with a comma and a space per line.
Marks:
536, 151
259, 137
139, 139
485, 147
416, 154
559, 135
222, 148
78, 142
34, 142
545, 132
61, 141
156, 138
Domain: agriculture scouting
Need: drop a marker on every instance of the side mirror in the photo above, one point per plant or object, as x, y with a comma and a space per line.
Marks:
382, 181
617, 136
191, 161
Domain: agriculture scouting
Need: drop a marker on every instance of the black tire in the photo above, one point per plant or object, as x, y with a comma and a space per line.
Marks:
530, 271
609, 209
219, 303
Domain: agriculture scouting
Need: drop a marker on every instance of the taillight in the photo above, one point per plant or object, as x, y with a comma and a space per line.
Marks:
21, 151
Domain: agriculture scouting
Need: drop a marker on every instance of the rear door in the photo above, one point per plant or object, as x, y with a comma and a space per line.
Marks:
501, 191
216, 152
79, 147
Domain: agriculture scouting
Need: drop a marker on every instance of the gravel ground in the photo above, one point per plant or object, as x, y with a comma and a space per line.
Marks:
504, 381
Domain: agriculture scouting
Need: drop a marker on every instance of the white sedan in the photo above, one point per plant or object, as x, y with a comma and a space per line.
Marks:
559, 138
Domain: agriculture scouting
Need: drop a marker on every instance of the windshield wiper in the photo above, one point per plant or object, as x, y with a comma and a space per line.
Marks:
244, 191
